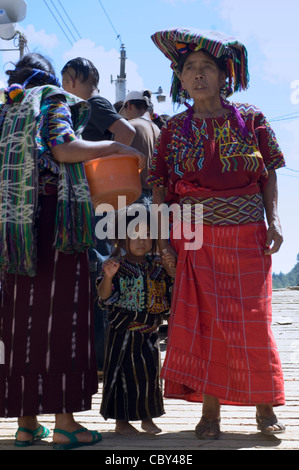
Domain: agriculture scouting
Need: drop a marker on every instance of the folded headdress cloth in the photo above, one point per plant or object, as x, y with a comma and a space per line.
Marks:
175, 42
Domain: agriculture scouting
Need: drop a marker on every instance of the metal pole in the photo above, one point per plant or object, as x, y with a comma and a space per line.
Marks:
120, 82
22, 44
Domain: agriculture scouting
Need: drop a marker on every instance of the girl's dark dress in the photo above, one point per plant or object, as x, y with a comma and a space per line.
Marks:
132, 385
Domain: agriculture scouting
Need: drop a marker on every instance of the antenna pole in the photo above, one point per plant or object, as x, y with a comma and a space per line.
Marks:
22, 44
120, 82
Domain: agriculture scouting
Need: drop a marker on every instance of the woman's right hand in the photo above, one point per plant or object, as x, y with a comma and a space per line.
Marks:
141, 158
121, 149
141, 161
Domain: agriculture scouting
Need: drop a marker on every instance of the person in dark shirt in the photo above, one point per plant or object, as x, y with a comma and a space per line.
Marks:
81, 78
137, 109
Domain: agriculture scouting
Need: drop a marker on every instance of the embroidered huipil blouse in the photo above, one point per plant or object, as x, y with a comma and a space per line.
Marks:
141, 293
54, 126
214, 164
140, 287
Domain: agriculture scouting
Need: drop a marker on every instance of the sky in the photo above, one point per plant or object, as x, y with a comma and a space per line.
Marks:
96, 29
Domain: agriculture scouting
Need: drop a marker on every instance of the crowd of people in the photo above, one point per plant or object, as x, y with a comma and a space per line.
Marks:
74, 308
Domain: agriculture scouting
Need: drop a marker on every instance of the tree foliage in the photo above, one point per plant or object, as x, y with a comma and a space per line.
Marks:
286, 280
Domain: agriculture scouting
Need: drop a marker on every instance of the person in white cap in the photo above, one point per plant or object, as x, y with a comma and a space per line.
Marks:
137, 109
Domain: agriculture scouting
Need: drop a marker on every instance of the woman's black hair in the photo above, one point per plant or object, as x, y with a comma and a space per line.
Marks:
84, 70
221, 62
28, 66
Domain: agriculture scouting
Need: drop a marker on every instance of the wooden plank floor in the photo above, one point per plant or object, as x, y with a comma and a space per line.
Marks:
177, 437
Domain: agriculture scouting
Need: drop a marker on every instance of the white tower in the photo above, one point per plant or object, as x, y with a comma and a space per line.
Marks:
120, 82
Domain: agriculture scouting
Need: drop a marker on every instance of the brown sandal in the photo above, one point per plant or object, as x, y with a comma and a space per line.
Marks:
208, 429
264, 423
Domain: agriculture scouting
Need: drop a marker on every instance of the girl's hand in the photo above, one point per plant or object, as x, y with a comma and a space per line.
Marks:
110, 267
169, 262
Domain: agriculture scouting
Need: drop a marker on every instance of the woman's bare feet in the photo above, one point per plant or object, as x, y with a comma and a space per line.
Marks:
210, 407
126, 429
149, 426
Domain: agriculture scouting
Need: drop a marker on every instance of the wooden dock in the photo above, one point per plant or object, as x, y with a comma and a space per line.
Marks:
177, 438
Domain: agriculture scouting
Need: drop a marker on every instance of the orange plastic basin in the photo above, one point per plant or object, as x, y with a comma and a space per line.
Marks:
114, 176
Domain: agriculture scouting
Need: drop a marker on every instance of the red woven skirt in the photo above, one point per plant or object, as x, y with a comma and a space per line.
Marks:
220, 341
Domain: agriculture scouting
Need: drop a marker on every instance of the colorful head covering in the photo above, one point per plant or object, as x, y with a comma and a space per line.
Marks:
176, 42
41, 74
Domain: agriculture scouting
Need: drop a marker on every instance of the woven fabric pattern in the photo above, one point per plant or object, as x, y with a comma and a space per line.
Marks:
220, 341
231, 210
215, 160
19, 182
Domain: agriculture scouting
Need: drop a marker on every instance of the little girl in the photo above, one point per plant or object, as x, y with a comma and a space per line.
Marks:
136, 289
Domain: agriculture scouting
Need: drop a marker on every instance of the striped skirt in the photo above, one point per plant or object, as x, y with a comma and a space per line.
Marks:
132, 388
220, 340
46, 326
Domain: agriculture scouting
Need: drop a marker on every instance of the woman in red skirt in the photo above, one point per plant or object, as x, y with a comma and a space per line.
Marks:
46, 322
221, 156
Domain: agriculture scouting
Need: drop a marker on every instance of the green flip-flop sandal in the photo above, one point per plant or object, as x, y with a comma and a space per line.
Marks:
40, 433
74, 443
